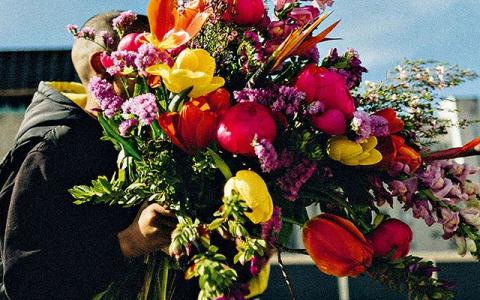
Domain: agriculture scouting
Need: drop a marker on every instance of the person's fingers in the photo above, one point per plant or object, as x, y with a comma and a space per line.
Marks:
161, 210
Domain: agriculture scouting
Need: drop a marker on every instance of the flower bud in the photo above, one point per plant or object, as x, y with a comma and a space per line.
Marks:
391, 234
336, 246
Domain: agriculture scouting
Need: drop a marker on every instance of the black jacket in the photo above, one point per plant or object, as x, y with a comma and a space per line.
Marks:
52, 248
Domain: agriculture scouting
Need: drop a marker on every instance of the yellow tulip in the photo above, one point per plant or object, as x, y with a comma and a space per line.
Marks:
253, 190
192, 68
351, 153
258, 284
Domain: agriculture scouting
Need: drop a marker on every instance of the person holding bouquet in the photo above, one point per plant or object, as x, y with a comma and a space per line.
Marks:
52, 248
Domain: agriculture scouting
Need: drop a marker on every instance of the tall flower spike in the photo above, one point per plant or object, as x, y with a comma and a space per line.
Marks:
169, 28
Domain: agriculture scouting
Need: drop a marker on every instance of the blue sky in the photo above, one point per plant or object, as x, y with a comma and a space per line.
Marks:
383, 31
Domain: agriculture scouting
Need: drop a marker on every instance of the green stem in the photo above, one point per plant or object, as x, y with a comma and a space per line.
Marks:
164, 278
349, 209
291, 221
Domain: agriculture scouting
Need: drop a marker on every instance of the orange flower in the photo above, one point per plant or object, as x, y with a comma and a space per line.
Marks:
336, 246
194, 127
395, 124
169, 28
394, 149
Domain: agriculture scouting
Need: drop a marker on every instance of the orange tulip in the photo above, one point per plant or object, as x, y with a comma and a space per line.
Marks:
336, 246
171, 29
194, 127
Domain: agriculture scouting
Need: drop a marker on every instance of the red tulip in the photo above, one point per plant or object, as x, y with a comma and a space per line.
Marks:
241, 124
131, 42
395, 124
194, 127
336, 246
245, 12
320, 84
391, 234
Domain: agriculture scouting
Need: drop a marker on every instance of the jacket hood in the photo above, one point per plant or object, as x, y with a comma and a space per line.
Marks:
54, 104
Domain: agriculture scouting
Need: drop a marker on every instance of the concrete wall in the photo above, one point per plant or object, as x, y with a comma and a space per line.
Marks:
9, 124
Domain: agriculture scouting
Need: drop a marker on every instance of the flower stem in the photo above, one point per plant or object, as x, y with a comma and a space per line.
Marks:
164, 279
292, 221
285, 275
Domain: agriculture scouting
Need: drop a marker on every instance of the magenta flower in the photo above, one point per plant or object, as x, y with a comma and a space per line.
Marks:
303, 15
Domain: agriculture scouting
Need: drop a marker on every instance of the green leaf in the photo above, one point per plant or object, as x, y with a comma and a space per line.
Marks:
177, 102
112, 132
220, 164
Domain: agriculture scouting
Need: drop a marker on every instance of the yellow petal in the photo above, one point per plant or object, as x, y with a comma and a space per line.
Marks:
253, 190
258, 284
206, 61
201, 90
370, 144
186, 60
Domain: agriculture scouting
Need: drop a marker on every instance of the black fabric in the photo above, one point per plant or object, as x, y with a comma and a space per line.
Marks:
52, 248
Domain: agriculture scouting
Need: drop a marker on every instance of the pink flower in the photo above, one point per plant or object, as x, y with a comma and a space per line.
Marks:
280, 4
279, 29
329, 88
245, 12
303, 15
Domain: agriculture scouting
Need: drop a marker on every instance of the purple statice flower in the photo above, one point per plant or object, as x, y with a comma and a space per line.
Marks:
288, 100
283, 99
450, 221
107, 38
143, 106
124, 20
295, 178
87, 33
267, 155
272, 227
126, 125
73, 29
104, 92
256, 265
366, 125
262, 96
311, 55
257, 45
148, 56
422, 210
121, 60
348, 65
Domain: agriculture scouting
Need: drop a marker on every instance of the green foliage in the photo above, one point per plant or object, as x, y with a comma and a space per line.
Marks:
413, 90
215, 276
410, 274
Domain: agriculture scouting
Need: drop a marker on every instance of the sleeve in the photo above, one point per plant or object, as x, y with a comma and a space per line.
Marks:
54, 249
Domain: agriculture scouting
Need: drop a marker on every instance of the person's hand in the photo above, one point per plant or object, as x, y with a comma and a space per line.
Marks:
149, 232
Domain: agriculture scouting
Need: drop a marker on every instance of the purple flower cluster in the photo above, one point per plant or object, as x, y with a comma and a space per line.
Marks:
256, 265
148, 56
447, 182
143, 106
284, 99
107, 99
73, 29
236, 294
120, 61
126, 125
86, 33
107, 38
272, 227
295, 178
124, 20
268, 157
349, 66
366, 125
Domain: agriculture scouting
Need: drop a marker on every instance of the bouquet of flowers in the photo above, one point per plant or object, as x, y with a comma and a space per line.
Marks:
236, 125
